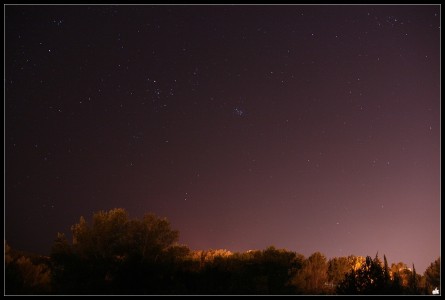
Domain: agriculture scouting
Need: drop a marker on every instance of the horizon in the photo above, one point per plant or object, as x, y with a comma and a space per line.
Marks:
306, 255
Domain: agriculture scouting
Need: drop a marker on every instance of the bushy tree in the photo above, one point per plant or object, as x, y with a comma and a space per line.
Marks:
338, 267
116, 254
313, 276
432, 276
277, 265
367, 280
114, 236
23, 276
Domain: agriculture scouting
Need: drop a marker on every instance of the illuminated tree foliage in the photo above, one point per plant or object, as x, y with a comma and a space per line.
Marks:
25, 275
338, 267
367, 280
312, 278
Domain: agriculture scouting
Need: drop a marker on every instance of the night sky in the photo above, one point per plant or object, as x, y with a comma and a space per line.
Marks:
310, 128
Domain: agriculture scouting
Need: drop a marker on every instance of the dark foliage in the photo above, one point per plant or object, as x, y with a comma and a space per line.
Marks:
119, 255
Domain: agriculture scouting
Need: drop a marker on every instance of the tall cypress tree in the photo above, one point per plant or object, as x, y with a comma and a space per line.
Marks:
386, 276
413, 283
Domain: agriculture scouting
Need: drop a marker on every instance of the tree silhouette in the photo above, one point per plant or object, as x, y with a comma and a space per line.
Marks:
414, 282
338, 267
432, 276
311, 278
367, 280
116, 254
25, 275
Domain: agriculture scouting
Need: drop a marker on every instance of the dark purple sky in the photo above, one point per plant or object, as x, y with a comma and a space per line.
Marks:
311, 128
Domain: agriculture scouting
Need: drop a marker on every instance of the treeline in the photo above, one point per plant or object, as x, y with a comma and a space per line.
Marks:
119, 255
